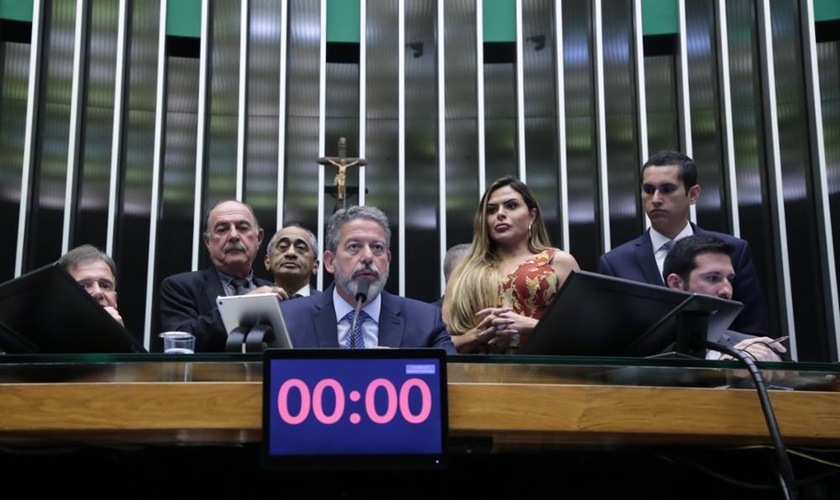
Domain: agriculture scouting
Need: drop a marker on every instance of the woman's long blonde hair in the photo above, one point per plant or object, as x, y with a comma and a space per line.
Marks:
476, 285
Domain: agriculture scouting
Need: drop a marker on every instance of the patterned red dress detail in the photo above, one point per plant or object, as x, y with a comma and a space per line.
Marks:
530, 288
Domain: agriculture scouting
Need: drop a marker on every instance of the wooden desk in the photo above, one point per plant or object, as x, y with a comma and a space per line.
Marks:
517, 406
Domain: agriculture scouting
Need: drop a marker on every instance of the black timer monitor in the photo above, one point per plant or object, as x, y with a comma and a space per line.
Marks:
354, 408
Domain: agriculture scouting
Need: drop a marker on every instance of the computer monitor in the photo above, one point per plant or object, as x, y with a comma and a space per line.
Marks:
598, 315
47, 311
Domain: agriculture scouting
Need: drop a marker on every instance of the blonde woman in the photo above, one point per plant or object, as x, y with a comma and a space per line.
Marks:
510, 275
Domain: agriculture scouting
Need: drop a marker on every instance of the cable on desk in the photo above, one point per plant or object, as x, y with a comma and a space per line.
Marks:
787, 481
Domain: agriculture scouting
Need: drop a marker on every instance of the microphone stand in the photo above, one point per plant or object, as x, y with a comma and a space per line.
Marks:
361, 297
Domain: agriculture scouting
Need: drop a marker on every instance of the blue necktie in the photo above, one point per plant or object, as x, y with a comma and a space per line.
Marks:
355, 340
666, 247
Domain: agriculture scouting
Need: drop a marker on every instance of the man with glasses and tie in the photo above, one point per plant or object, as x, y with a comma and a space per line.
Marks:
668, 188
232, 236
358, 255
291, 256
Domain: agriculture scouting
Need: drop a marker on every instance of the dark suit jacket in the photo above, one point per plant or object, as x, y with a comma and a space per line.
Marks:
188, 304
635, 261
403, 322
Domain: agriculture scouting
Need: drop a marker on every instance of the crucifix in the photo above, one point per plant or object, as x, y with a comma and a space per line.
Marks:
342, 163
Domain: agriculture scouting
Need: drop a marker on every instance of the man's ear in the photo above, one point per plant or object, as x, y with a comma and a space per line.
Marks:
315, 265
329, 261
674, 281
693, 193
267, 262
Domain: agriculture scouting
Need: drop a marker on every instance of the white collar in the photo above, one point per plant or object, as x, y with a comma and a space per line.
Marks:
342, 307
658, 239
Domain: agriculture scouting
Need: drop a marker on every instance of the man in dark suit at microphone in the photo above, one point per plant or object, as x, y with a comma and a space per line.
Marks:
358, 255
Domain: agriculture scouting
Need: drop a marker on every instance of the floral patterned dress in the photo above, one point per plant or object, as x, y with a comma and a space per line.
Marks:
530, 288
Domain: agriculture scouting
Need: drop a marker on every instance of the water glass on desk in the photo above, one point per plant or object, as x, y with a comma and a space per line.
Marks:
178, 343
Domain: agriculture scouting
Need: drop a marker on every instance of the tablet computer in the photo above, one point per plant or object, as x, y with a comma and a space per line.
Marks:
241, 313
354, 409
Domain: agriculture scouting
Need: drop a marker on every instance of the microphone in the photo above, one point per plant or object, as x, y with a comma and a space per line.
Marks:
362, 291
361, 297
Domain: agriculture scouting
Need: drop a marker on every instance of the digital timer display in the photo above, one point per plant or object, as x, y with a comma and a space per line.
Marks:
354, 408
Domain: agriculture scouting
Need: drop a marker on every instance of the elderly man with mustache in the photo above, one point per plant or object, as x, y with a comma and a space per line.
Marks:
232, 236
358, 251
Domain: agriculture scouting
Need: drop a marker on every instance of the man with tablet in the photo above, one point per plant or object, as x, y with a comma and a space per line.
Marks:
232, 236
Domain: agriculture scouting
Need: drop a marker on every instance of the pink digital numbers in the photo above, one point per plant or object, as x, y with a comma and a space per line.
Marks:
370, 394
426, 398
318, 398
283, 396
311, 402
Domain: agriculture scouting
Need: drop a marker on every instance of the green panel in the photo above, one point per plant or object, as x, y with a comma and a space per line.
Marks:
343, 20
826, 10
183, 18
499, 20
16, 10
661, 17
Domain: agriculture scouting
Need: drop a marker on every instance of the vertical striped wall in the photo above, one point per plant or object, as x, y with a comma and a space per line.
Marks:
115, 133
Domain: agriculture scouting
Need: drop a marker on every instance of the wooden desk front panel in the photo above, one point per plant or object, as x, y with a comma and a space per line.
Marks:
513, 414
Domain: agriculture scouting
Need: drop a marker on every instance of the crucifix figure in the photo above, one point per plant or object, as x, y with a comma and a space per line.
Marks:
342, 163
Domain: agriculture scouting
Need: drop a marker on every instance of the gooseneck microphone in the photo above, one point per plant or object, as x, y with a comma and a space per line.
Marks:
361, 297
362, 291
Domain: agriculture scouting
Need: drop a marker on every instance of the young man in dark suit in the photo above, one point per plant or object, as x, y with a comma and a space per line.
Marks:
700, 263
669, 187
358, 248
232, 236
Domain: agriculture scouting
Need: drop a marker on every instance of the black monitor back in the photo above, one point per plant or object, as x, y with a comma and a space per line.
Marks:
47, 311
597, 315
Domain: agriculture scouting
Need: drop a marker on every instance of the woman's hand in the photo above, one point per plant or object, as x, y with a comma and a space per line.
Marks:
490, 331
513, 322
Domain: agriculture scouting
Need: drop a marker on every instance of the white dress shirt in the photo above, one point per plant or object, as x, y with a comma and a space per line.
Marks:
658, 239
370, 329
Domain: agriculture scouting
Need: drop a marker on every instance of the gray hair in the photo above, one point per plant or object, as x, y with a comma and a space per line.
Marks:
249, 207
345, 215
313, 240
86, 253
453, 257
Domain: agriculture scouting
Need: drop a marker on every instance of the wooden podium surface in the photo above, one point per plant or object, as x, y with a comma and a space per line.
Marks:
534, 404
